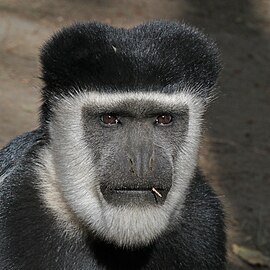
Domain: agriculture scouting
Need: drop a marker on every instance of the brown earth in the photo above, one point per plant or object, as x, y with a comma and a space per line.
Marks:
236, 149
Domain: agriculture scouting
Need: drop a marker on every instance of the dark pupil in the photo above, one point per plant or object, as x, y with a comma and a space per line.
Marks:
164, 119
109, 119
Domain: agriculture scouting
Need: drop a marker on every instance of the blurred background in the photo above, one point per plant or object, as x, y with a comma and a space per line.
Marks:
235, 152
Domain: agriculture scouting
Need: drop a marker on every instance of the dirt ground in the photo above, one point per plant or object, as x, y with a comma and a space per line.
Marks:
236, 149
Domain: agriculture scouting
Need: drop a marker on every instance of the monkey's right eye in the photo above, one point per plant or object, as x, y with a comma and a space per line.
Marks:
109, 119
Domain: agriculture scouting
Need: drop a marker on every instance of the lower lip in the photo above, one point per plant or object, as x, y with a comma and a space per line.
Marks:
140, 197
134, 190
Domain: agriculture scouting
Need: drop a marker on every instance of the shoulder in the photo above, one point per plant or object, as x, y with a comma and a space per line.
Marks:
12, 154
202, 225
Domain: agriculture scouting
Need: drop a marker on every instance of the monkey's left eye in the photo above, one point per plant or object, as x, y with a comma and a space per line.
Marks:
109, 119
163, 119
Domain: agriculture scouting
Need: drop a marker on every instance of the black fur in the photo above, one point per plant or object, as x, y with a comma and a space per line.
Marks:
30, 239
158, 56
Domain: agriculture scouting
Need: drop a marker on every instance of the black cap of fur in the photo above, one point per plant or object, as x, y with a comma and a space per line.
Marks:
152, 56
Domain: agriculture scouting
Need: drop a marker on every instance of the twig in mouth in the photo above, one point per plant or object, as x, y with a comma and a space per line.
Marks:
114, 48
155, 191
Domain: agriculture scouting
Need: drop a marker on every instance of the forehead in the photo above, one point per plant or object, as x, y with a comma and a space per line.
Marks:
132, 102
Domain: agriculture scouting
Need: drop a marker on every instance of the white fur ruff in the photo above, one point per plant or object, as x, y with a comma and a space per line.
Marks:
68, 183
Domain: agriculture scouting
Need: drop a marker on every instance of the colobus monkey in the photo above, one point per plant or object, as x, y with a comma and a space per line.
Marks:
110, 178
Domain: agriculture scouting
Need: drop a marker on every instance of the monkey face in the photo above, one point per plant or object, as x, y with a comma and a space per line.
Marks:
135, 144
123, 162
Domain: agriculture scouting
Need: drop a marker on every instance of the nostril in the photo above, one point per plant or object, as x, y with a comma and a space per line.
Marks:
131, 167
141, 164
151, 164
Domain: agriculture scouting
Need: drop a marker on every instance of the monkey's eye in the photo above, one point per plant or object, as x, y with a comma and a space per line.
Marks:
163, 119
109, 119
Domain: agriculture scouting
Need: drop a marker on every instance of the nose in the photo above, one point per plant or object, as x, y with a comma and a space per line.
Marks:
140, 152
141, 160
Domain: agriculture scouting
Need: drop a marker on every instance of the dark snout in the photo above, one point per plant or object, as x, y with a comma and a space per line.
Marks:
141, 175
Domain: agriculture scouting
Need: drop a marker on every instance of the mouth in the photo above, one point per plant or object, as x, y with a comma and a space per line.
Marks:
135, 196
